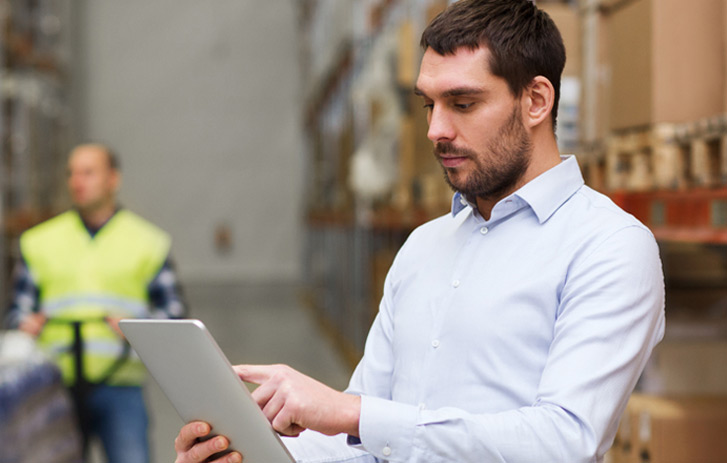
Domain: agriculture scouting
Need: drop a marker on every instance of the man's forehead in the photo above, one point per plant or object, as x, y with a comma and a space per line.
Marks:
88, 155
466, 67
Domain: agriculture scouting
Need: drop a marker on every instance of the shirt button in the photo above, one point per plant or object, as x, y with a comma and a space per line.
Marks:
462, 201
455, 283
435, 343
386, 451
484, 230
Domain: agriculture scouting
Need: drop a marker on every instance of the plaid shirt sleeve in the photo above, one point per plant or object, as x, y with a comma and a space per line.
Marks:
165, 294
25, 296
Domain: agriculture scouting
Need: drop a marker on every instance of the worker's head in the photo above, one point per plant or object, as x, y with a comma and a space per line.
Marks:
93, 177
523, 41
488, 79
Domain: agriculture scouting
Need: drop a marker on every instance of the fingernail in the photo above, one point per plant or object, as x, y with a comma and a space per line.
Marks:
201, 428
235, 458
220, 443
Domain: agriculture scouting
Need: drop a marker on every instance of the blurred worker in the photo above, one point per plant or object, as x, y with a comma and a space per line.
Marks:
512, 329
83, 271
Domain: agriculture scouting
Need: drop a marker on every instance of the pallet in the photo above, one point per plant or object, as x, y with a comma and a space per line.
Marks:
668, 156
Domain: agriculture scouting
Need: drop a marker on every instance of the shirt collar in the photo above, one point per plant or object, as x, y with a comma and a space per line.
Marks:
93, 231
459, 202
545, 193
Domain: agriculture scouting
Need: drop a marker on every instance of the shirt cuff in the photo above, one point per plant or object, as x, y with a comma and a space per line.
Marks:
387, 428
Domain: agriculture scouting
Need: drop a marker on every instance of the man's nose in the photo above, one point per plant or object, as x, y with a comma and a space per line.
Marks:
440, 126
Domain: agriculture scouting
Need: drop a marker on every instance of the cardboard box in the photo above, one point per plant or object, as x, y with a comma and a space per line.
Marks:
673, 430
667, 61
596, 80
568, 22
434, 8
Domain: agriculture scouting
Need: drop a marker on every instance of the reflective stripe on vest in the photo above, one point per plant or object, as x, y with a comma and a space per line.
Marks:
131, 307
85, 279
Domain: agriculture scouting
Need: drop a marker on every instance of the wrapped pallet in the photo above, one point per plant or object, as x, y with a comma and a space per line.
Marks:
37, 419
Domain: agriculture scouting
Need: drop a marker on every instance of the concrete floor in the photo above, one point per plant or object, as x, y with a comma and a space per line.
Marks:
252, 324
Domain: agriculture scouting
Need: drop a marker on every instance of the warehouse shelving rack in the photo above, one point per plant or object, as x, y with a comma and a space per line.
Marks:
670, 173
34, 118
351, 239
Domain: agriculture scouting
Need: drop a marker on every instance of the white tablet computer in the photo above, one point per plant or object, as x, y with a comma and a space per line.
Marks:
195, 375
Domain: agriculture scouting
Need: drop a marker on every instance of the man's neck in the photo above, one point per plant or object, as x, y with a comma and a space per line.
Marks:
96, 218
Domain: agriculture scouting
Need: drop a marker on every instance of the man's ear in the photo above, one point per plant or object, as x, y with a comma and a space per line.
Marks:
538, 100
115, 180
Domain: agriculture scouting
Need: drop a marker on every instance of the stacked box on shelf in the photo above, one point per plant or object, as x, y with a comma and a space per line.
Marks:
666, 61
672, 430
669, 156
650, 66
666, 70
567, 19
595, 86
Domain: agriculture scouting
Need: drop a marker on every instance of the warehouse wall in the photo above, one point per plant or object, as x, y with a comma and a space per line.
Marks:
202, 102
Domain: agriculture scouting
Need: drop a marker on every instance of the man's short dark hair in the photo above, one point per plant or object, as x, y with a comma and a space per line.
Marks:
523, 40
113, 159
111, 156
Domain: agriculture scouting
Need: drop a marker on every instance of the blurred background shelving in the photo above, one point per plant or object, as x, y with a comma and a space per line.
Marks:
34, 117
371, 174
37, 414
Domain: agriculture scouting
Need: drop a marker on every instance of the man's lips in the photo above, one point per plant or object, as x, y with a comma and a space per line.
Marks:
452, 161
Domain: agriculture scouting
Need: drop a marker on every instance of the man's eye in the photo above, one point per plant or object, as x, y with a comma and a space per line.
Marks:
463, 105
428, 106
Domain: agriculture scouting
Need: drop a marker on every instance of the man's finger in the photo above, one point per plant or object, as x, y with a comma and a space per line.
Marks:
263, 393
204, 450
273, 407
256, 374
284, 424
189, 434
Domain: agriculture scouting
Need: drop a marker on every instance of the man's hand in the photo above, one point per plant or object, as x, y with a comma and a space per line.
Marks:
293, 402
33, 324
113, 322
191, 450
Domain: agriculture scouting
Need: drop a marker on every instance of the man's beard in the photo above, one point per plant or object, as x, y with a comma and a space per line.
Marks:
508, 156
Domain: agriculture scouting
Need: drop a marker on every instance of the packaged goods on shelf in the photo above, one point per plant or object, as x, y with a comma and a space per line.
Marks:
37, 421
672, 430
374, 163
669, 156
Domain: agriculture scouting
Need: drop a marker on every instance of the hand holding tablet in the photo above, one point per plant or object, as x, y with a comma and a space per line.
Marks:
204, 388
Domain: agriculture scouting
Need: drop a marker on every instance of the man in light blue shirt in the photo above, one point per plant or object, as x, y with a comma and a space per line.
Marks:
512, 329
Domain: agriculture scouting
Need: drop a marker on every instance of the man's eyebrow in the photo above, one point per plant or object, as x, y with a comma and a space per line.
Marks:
418, 92
457, 91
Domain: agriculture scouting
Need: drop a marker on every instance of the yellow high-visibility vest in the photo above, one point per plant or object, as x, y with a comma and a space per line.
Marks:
85, 278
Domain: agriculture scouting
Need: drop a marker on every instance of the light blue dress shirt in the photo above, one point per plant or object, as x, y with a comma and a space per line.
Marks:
516, 339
